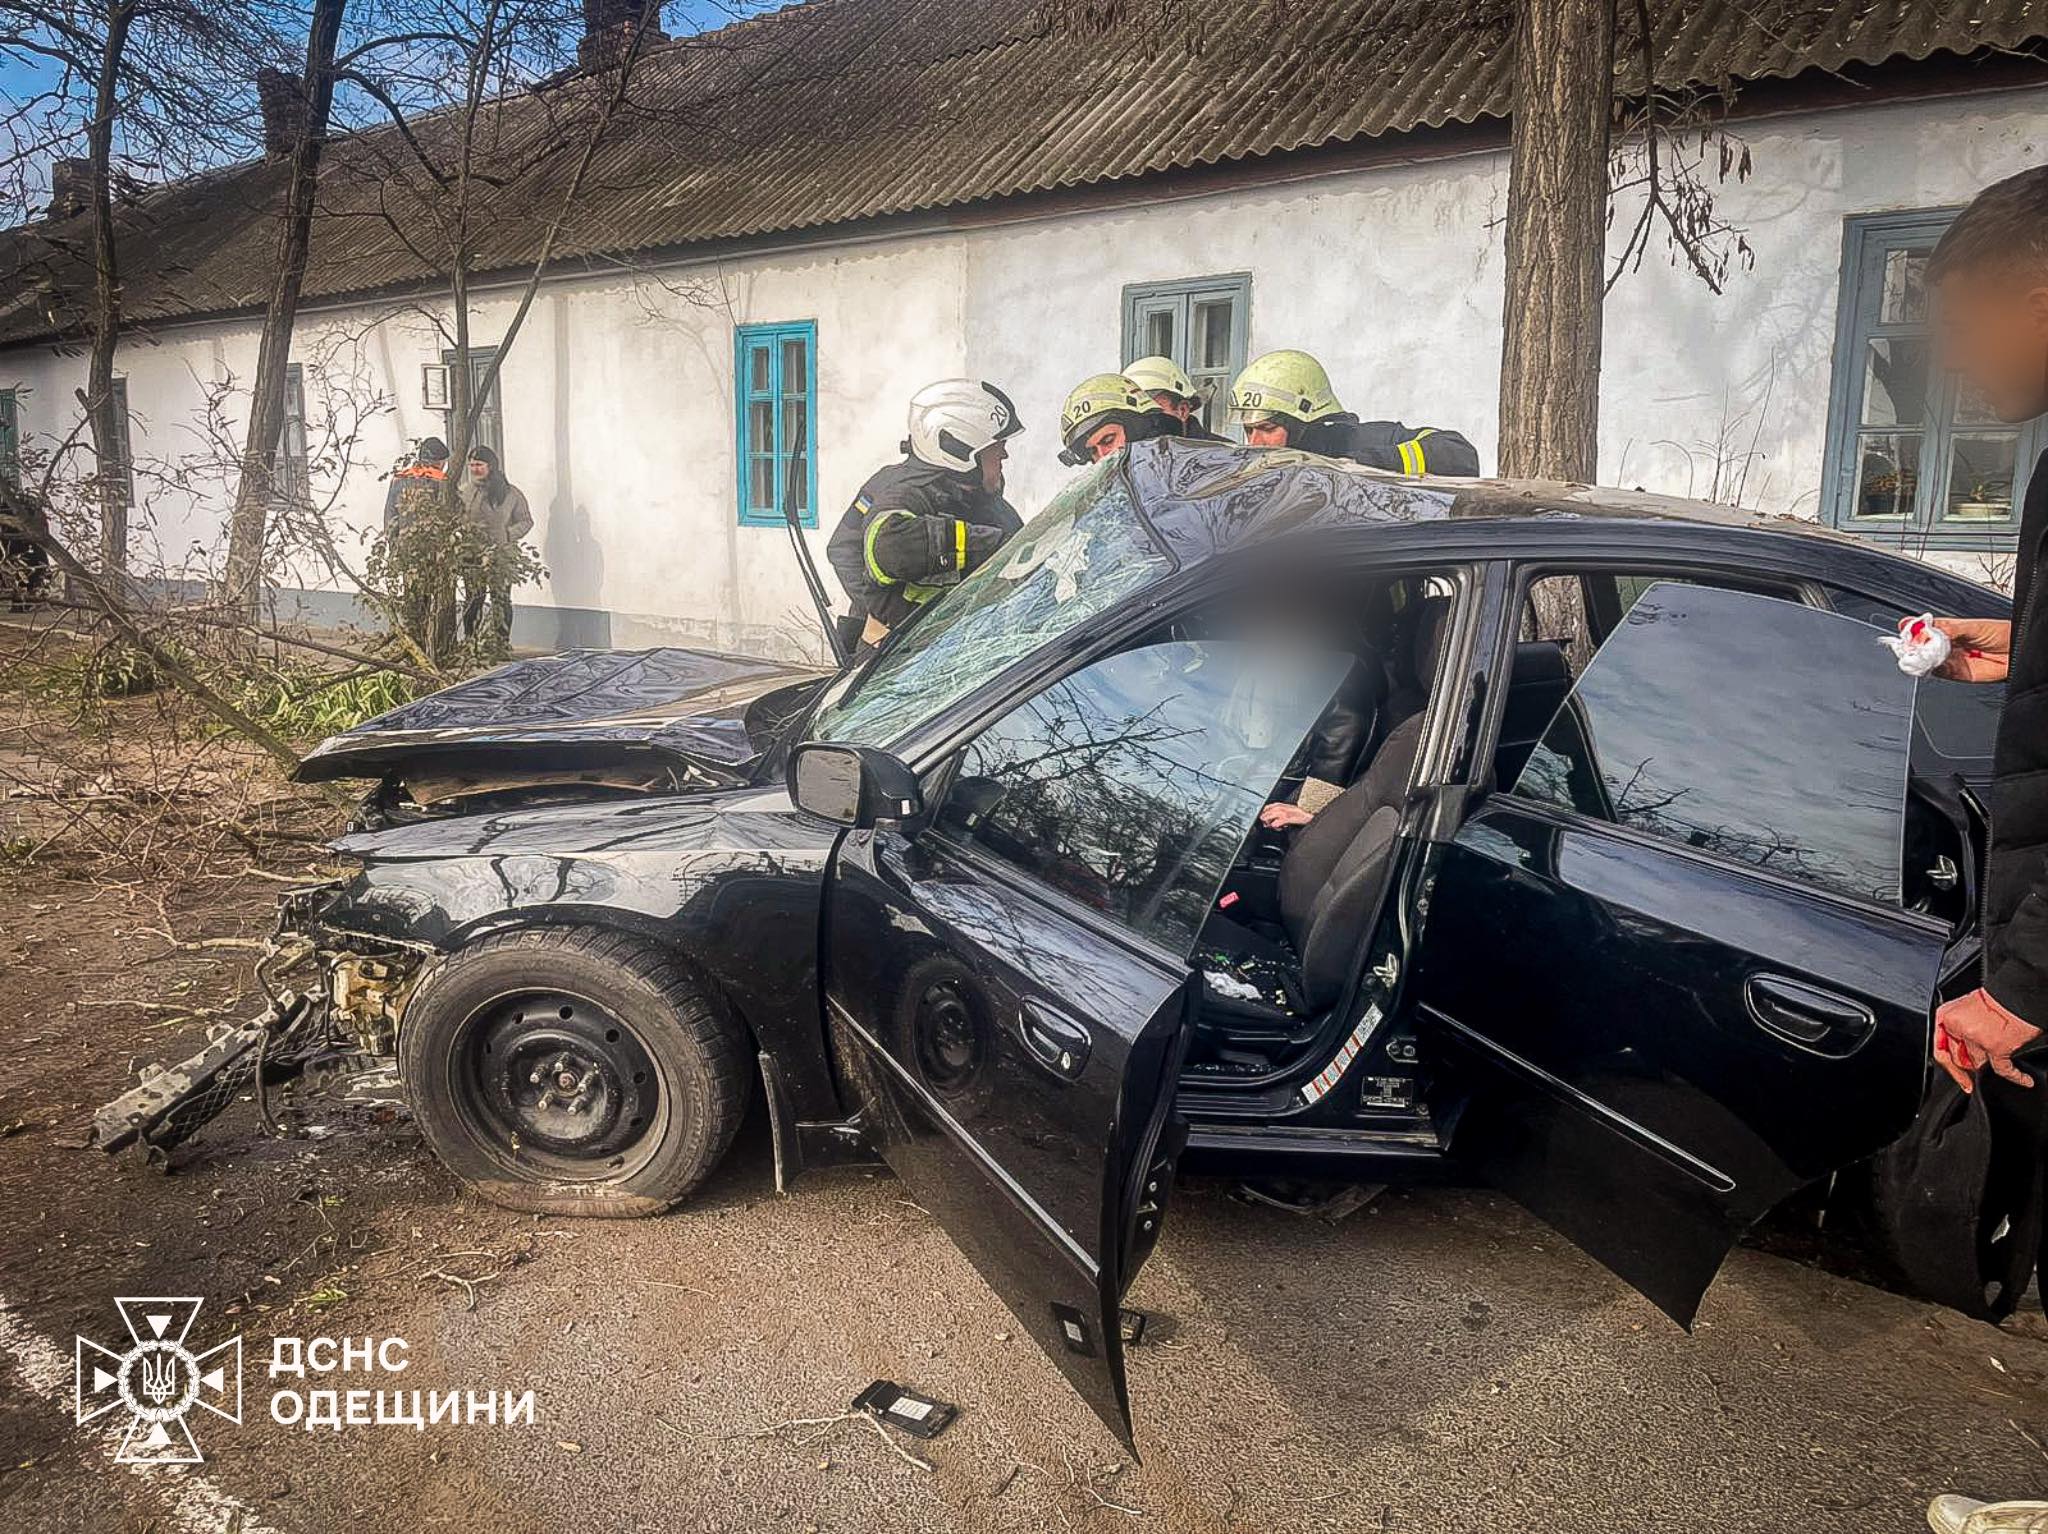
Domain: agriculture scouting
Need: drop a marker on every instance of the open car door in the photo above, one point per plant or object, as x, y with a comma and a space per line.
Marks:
1666, 977
1006, 980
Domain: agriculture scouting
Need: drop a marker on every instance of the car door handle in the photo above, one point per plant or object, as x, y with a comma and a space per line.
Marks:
1055, 1040
1806, 1015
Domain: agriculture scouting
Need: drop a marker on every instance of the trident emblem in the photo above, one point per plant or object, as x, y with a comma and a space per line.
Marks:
159, 1377
159, 1380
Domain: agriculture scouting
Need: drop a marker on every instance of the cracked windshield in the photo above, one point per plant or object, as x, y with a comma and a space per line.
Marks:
1082, 555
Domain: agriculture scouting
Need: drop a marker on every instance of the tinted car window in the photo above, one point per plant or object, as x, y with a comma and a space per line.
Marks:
1759, 730
1082, 555
1130, 785
1958, 720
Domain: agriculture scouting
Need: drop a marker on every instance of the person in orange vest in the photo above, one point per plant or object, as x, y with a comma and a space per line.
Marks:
427, 471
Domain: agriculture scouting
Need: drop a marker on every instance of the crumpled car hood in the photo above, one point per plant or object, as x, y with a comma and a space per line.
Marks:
581, 705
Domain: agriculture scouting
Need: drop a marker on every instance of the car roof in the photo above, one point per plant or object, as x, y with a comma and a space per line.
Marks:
1203, 497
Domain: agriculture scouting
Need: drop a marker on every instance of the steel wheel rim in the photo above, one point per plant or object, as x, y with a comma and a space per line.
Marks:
549, 1081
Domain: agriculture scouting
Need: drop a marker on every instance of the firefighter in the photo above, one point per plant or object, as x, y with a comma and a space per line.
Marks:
919, 526
1174, 392
1105, 412
1284, 399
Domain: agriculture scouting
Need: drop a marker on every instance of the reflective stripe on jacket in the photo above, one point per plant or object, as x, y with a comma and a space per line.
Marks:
1391, 445
912, 531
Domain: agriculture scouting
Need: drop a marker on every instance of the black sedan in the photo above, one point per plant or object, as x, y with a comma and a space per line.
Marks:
1636, 875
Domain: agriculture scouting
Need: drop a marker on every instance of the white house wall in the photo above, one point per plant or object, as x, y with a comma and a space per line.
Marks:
619, 414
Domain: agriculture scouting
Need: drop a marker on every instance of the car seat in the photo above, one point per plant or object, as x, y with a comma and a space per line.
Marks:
1419, 635
1538, 684
1329, 887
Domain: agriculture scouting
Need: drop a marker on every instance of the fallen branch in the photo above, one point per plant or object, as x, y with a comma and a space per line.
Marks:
116, 613
825, 1425
278, 636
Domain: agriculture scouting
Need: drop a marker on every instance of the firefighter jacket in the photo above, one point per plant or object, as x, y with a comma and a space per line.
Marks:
911, 532
1390, 445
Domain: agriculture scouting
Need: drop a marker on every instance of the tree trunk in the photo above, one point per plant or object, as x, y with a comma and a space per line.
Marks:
254, 494
1556, 239
111, 467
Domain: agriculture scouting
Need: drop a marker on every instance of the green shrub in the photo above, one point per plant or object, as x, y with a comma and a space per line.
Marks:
307, 702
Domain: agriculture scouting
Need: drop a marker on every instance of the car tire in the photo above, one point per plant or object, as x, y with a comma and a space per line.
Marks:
572, 1071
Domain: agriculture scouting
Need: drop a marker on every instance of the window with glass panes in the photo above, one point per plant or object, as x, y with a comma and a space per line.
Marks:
1912, 457
10, 440
288, 463
777, 369
1201, 323
490, 421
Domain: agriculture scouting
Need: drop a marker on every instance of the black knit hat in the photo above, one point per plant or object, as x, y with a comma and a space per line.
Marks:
430, 450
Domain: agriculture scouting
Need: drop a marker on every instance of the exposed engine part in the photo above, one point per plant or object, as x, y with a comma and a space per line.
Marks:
334, 1001
366, 997
428, 789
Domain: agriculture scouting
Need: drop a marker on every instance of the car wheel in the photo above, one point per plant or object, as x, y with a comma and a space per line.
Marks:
572, 1071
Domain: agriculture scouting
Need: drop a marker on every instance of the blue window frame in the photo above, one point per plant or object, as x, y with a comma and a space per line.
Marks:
10, 439
1201, 323
776, 367
1911, 458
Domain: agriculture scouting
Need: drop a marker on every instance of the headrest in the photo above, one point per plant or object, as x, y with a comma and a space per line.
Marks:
1539, 660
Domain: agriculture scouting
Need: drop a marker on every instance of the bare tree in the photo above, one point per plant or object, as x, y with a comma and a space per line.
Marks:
486, 102
531, 99
1573, 155
98, 399
1556, 239
256, 491
143, 86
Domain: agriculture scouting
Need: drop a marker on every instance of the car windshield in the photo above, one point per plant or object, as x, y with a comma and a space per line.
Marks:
1084, 553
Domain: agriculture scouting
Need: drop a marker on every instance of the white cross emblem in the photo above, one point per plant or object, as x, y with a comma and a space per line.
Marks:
158, 1379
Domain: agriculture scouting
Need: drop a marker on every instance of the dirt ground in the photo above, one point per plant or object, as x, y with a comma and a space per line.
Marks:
1434, 1361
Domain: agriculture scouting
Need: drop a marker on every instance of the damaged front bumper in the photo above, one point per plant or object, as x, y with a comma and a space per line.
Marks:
333, 1002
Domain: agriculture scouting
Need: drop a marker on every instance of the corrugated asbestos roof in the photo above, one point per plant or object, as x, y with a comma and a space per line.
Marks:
850, 109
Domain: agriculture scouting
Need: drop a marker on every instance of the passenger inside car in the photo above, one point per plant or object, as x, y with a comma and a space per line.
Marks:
1278, 953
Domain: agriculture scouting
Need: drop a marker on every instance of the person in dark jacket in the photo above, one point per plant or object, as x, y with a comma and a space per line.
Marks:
24, 562
1284, 399
502, 519
1168, 386
921, 525
1988, 281
1107, 412
423, 476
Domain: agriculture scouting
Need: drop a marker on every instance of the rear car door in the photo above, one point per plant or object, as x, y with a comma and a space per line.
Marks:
1005, 983
1667, 976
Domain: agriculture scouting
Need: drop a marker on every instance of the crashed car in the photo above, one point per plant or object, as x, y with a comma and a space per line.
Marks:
1642, 847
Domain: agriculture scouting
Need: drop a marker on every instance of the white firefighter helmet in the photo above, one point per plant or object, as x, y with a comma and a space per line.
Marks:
951, 421
1161, 375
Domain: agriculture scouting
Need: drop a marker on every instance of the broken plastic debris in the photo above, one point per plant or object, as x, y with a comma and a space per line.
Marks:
919, 1416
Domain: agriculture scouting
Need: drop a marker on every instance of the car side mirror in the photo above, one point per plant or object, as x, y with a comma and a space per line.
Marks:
853, 786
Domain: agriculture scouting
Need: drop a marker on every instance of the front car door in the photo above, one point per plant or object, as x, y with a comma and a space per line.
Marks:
1005, 987
1700, 987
